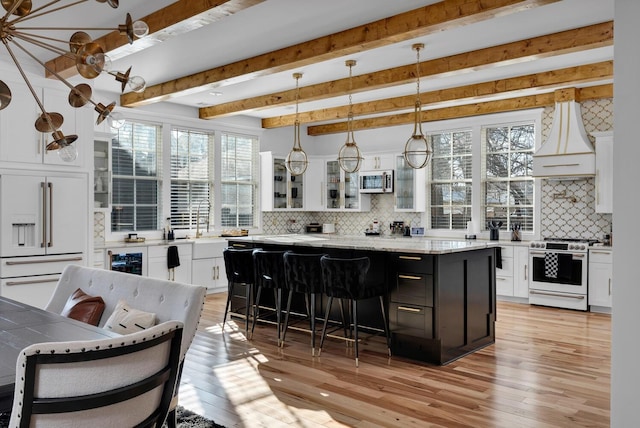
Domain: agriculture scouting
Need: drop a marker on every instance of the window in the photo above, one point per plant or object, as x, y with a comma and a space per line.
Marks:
451, 181
191, 178
136, 179
508, 185
239, 180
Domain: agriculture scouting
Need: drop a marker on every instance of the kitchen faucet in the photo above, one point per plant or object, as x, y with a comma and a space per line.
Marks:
198, 233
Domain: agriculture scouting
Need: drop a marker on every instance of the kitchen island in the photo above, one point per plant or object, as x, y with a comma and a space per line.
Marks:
441, 297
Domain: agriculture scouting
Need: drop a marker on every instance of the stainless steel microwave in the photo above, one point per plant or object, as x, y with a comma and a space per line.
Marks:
376, 181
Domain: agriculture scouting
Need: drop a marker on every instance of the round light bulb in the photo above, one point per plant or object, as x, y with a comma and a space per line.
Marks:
68, 153
417, 151
137, 84
349, 158
140, 29
296, 162
115, 119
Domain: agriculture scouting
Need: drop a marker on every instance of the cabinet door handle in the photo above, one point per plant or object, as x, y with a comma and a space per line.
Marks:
499, 278
70, 259
600, 252
235, 244
408, 309
50, 243
412, 277
33, 281
410, 258
526, 272
44, 214
609, 286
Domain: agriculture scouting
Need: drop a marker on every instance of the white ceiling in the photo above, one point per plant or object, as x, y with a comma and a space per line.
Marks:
275, 24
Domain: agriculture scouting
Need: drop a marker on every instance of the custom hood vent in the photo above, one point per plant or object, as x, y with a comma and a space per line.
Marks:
568, 151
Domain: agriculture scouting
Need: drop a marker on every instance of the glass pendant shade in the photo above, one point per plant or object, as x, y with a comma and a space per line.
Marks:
68, 153
296, 161
349, 157
417, 150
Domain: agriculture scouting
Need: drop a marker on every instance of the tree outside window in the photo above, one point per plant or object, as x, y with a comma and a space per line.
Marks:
508, 184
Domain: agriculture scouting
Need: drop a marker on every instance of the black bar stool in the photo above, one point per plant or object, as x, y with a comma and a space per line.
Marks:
345, 279
268, 267
239, 266
303, 274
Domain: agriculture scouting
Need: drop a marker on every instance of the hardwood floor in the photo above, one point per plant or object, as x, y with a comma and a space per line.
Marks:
548, 368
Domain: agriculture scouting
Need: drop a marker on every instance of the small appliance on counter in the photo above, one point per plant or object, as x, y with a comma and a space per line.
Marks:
374, 229
397, 228
328, 228
313, 228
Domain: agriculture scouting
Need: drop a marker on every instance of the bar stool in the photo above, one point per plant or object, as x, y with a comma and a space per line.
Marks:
303, 274
239, 266
345, 279
268, 267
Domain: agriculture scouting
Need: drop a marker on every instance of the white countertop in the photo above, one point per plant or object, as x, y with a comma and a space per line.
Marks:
373, 243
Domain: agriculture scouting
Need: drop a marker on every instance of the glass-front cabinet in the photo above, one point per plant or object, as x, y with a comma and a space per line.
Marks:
280, 189
342, 190
410, 187
101, 174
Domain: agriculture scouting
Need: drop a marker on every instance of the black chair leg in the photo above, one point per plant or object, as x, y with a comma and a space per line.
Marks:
386, 324
286, 317
278, 296
171, 421
256, 310
312, 323
345, 326
326, 320
246, 309
355, 327
226, 308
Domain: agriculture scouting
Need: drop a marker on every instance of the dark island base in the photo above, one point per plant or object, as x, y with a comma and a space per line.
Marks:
440, 307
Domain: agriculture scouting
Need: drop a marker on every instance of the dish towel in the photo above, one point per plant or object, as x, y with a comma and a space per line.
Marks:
173, 261
551, 265
498, 257
565, 266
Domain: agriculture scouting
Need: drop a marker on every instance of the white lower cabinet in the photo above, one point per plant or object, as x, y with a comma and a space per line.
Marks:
600, 279
208, 265
512, 280
157, 263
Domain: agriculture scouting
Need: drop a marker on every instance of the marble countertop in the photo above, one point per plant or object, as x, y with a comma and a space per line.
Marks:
408, 245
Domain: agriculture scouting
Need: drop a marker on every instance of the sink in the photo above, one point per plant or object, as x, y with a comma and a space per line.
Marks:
205, 248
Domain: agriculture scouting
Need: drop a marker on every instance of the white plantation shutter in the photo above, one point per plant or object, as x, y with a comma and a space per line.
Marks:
191, 178
239, 180
136, 151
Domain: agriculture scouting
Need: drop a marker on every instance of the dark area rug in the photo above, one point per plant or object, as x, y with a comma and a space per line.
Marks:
186, 419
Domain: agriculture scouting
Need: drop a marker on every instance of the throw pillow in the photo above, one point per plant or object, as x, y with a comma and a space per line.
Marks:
82, 307
125, 319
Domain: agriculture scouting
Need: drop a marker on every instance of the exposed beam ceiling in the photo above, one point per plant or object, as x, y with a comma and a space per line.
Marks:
476, 92
432, 18
171, 21
466, 110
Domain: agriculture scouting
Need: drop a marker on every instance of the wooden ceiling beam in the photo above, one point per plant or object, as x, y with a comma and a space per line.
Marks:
477, 92
176, 19
446, 14
575, 40
466, 110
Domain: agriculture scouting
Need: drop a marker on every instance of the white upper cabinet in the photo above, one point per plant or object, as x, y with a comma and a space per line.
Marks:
410, 187
374, 162
280, 189
21, 142
604, 172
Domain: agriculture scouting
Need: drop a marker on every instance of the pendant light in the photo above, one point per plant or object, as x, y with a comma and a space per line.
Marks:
296, 161
417, 150
349, 157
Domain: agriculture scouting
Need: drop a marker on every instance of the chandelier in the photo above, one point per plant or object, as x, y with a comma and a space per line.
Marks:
89, 57
296, 161
417, 150
349, 157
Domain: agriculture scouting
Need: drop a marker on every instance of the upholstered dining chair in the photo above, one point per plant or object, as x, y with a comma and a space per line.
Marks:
168, 300
125, 381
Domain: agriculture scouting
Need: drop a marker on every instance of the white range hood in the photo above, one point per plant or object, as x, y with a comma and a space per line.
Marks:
568, 151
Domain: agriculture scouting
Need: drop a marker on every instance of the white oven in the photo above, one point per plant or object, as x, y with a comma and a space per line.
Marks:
559, 274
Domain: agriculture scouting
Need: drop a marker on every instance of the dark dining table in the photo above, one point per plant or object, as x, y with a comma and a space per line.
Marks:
22, 325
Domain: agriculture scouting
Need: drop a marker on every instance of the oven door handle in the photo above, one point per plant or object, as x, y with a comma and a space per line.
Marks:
546, 293
540, 253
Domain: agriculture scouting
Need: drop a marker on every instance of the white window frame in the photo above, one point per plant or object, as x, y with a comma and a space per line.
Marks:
475, 124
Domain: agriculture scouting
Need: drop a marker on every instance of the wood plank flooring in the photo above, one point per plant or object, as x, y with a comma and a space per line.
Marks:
548, 368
